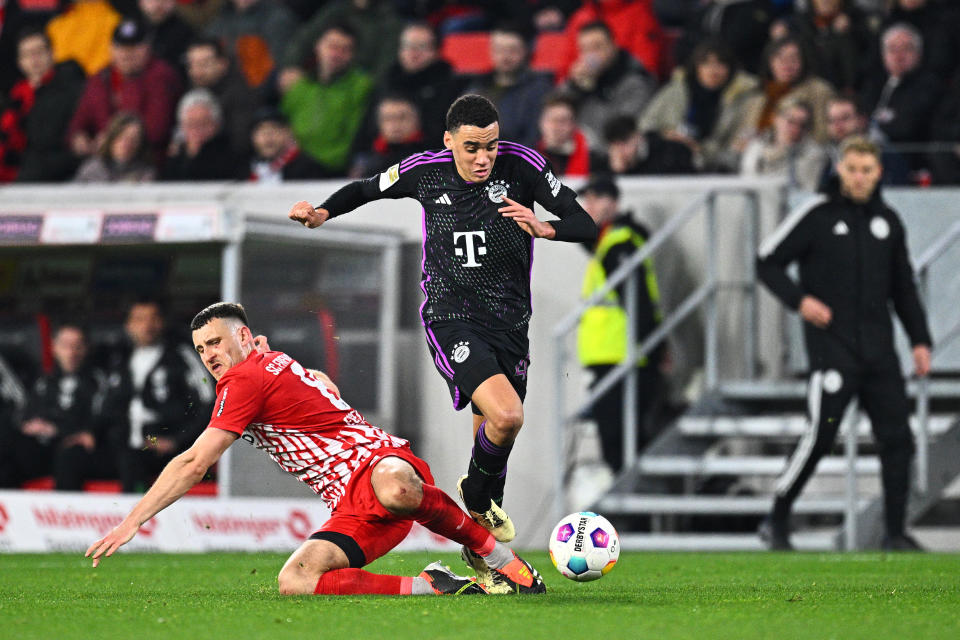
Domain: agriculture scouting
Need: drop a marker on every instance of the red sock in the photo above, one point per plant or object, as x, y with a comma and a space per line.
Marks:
439, 513
344, 582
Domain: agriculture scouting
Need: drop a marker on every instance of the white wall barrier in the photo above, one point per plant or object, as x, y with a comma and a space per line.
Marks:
42, 521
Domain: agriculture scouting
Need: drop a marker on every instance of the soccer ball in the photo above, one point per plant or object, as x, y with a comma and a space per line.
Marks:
584, 546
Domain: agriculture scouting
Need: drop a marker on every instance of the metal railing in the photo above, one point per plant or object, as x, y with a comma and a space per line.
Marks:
705, 296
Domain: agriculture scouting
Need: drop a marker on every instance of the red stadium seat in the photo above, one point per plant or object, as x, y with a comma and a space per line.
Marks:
468, 52
548, 52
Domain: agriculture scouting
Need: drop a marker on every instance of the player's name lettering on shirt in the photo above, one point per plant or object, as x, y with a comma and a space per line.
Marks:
279, 363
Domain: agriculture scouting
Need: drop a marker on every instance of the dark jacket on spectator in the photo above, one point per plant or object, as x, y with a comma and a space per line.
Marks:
152, 95
835, 55
661, 157
239, 103
255, 38
912, 102
33, 126
519, 104
68, 401
292, 165
170, 40
216, 161
383, 155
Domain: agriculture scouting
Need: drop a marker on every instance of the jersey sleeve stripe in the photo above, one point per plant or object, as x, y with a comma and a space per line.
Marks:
513, 146
426, 161
426, 155
530, 159
773, 241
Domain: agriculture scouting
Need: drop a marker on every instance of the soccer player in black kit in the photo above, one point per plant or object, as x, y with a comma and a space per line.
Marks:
478, 230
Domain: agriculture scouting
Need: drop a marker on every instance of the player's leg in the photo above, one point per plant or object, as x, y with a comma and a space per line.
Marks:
403, 487
828, 394
884, 399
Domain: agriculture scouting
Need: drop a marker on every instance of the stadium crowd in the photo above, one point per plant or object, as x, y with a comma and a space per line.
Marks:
271, 90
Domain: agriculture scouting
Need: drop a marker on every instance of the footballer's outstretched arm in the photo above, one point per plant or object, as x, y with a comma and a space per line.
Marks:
180, 474
389, 184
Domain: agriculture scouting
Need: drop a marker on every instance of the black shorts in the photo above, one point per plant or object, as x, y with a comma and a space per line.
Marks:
466, 355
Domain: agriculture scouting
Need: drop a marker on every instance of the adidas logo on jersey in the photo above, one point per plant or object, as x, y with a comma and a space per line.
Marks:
444, 199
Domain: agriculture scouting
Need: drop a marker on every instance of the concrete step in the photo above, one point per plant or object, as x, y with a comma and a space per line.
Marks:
745, 465
627, 503
787, 425
803, 541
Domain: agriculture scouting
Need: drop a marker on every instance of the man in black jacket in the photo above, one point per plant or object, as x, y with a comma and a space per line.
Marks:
851, 251
157, 398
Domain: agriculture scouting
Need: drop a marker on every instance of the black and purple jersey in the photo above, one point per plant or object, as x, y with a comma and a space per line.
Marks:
476, 263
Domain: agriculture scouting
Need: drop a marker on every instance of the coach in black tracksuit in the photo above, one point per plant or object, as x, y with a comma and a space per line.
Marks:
851, 251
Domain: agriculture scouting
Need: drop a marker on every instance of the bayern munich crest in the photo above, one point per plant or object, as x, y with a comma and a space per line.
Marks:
461, 351
497, 191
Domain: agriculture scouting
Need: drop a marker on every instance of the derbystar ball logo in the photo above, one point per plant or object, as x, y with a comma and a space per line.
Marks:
4, 518
581, 530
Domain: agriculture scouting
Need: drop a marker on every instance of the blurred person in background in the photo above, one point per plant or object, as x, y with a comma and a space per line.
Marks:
157, 398
785, 75
701, 105
843, 120
605, 81
632, 152
276, 156
851, 252
938, 22
255, 34
200, 149
375, 22
516, 90
788, 149
83, 33
399, 135
59, 432
561, 140
135, 81
169, 34
209, 67
325, 110
123, 156
34, 123
945, 162
602, 332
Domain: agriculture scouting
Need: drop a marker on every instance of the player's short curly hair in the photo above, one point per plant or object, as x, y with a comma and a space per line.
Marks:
219, 310
472, 110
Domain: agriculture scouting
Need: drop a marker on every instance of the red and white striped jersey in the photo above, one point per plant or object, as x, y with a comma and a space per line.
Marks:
304, 426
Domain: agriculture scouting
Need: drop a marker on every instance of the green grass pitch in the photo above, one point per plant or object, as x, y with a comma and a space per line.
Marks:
648, 595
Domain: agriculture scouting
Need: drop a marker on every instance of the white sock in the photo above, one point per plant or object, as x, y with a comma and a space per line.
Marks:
421, 587
500, 557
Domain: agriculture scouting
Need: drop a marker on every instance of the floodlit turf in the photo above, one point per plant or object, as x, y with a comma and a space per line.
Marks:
648, 595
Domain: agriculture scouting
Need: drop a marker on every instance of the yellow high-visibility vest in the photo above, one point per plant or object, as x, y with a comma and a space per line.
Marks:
602, 332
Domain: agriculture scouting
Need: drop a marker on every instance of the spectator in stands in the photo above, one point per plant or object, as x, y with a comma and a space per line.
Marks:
835, 35
255, 33
515, 89
276, 156
398, 135
901, 102
59, 433
421, 74
632, 26
787, 149
786, 75
938, 24
123, 156
945, 164
157, 399
325, 111
83, 33
209, 67
562, 142
135, 81
843, 120
632, 152
605, 80
375, 22
602, 332
34, 123
201, 150
701, 105
170, 35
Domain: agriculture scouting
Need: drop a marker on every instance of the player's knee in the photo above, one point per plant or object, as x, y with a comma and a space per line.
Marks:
400, 491
294, 579
503, 424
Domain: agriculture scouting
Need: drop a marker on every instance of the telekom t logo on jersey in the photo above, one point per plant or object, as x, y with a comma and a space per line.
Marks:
470, 246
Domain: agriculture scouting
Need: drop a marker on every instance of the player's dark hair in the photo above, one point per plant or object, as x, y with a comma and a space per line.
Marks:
471, 110
619, 128
219, 310
596, 25
31, 32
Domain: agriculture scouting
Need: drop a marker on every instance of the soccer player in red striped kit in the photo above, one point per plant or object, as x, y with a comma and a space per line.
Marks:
374, 484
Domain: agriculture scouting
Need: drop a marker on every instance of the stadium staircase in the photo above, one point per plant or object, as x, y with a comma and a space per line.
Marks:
707, 480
